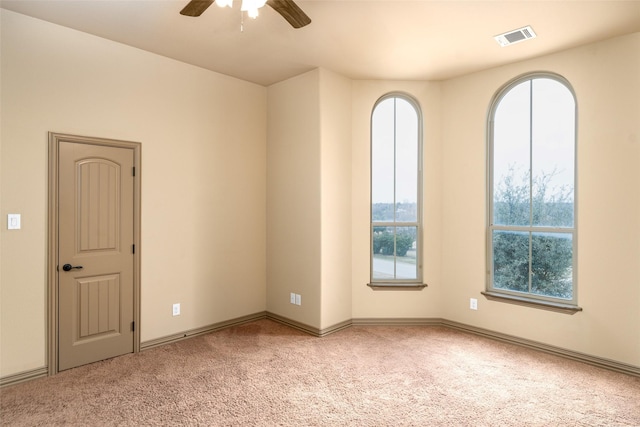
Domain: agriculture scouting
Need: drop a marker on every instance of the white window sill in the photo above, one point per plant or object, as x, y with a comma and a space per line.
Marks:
397, 286
531, 302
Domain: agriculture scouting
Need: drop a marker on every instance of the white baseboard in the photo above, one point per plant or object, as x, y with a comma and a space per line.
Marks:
511, 339
558, 351
24, 376
201, 331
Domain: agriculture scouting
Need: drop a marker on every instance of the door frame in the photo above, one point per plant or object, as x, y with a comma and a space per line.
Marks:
53, 238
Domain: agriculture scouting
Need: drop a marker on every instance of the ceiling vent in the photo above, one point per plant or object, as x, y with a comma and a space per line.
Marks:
515, 36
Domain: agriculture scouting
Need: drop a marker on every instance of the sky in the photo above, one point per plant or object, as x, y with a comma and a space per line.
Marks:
547, 145
550, 108
395, 124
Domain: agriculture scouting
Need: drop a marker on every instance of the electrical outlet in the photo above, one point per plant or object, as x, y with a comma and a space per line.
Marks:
13, 222
295, 298
473, 304
176, 309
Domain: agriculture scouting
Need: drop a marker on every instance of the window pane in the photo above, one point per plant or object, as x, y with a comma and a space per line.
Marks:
553, 139
511, 159
382, 161
383, 249
552, 264
406, 267
394, 253
511, 260
406, 162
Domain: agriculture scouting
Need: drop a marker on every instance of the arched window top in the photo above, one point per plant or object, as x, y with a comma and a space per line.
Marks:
559, 80
398, 97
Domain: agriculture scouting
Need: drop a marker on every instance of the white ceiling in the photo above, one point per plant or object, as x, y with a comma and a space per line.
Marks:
374, 39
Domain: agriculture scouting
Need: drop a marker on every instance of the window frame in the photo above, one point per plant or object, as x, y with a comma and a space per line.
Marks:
529, 298
410, 284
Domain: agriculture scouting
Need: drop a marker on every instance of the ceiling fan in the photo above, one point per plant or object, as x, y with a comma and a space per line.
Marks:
287, 8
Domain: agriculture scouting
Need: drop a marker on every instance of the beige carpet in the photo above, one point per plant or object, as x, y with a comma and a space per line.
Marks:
266, 374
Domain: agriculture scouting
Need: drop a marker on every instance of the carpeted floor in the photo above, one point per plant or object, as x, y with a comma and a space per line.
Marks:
266, 374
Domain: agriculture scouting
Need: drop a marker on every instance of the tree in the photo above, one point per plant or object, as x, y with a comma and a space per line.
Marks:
533, 261
388, 243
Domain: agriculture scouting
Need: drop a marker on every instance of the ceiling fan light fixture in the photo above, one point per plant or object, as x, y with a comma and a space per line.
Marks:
252, 6
288, 9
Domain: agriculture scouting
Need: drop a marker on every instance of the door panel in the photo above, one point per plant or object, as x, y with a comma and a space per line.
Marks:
98, 307
96, 233
99, 194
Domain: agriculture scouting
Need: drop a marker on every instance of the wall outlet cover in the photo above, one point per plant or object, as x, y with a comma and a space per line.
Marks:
13, 222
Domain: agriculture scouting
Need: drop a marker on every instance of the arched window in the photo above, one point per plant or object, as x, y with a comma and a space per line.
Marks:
532, 190
396, 196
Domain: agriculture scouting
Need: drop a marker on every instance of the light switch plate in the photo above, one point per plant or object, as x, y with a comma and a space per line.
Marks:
13, 222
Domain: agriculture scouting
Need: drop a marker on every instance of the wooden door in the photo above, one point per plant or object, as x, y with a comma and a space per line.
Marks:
95, 263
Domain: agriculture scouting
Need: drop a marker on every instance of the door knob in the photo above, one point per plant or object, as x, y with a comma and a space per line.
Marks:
69, 267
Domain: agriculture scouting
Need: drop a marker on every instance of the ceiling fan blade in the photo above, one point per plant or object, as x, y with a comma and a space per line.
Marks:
196, 7
291, 12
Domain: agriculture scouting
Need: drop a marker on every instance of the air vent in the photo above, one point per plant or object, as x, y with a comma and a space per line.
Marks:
515, 36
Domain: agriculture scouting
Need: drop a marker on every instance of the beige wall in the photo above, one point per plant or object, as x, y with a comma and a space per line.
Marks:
248, 191
368, 303
606, 79
294, 201
309, 198
335, 182
203, 141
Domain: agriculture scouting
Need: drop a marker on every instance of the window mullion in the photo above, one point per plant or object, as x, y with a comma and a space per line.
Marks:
530, 184
395, 189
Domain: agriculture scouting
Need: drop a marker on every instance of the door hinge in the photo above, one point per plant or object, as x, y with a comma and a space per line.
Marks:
133, 326
133, 248
133, 171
